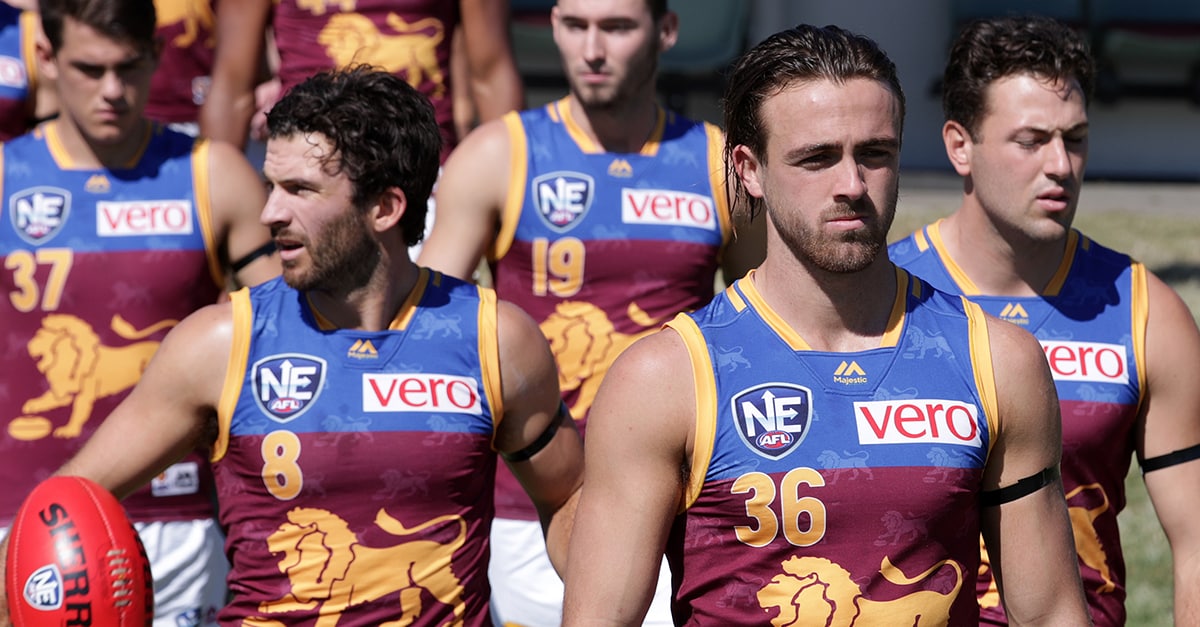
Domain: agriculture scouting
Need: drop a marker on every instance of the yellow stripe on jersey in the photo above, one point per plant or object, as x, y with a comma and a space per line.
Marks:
30, 26
773, 320
235, 370
705, 384
650, 148
1064, 266
922, 242
518, 160
1140, 308
489, 356
202, 188
964, 282
895, 324
409, 309
981, 360
735, 298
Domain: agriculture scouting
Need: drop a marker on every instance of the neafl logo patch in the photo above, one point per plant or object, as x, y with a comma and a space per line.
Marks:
563, 198
12, 72
286, 385
39, 213
773, 418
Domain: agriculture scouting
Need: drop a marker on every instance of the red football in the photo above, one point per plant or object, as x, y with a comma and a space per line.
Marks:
75, 559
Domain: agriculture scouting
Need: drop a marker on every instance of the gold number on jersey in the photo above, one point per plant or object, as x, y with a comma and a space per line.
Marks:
24, 265
792, 506
281, 473
557, 266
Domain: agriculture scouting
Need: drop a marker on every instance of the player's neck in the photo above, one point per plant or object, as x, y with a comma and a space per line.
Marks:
622, 127
840, 312
83, 152
1000, 263
374, 305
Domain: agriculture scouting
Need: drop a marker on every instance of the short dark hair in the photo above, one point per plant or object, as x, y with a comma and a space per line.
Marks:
800, 54
658, 8
988, 50
382, 132
131, 21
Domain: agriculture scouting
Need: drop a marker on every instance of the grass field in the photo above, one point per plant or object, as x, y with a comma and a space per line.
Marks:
1160, 226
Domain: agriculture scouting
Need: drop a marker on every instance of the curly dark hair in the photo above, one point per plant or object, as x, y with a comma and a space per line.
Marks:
800, 54
990, 49
131, 21
382, 131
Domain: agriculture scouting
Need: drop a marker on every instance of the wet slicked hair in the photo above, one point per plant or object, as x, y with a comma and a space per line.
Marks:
988, 50
801, 54
382, 132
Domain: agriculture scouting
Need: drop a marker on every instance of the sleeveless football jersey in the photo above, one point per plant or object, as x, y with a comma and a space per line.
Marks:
828, 487
601, 248
355, 469
184, 74
18, 71
409, 38
98, 265
1091, 322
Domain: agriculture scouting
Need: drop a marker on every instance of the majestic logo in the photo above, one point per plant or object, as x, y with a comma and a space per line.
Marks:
12, 72
97, 184
1087, 361
143, 217
421, 392
917, 421
563, 198
667, 207
849, 373
620, 168
286, 385
362, 349
39, 213
773, 418
1015, 313
44, 588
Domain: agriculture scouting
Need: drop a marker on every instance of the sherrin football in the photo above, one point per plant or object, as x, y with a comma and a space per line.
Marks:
75, 559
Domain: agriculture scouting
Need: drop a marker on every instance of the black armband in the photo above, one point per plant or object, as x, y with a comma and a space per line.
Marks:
1024, 487
542, 440
261, 251
1170, 459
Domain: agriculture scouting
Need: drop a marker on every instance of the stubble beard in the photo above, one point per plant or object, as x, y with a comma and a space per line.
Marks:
844, 253
344, 260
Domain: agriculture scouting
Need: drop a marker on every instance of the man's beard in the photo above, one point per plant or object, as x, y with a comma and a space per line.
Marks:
848, 252
344, 260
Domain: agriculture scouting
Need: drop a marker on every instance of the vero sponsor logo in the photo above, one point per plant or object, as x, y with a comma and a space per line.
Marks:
667, 207
436, 393
143, 217
917, 421
1087, 361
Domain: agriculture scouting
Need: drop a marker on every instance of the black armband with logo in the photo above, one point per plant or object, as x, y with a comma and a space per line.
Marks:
1024, 487
542, 440
1170, 459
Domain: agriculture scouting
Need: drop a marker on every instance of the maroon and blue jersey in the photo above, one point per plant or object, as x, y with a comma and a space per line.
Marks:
601, 248
183, 77
18, 69
98, 265
834, 488
409, 38
1091, 322
355, 469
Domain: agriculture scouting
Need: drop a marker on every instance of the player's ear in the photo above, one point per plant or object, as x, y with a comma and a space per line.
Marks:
958, 146
387, 211
747, 167
668, 31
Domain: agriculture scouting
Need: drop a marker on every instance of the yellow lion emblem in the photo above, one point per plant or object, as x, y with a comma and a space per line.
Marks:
585, 343
354, 38
327, 565
816, 591
195, 15
81, 370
